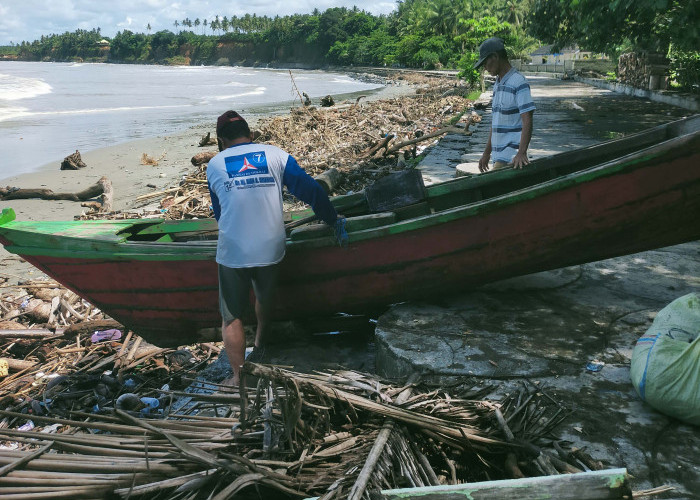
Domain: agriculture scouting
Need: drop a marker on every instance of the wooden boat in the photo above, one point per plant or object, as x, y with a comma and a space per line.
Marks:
159, 277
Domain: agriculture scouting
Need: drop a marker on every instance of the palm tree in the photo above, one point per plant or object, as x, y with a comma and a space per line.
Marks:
197, 22
513, 11
439, 16
176, 24
148, 28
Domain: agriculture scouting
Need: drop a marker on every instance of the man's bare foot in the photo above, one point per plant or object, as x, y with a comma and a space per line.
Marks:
229, 385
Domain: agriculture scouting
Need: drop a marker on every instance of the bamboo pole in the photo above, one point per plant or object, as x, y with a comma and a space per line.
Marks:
358, 489
157, 486
26, 459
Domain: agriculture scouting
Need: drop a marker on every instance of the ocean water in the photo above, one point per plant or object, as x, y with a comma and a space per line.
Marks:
48, 110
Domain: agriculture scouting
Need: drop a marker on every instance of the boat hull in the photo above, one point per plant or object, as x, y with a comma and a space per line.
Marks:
645, 203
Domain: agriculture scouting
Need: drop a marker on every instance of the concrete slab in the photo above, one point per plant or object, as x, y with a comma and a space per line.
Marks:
548, 327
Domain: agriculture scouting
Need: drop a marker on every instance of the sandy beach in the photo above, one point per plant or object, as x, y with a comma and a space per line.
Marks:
121, 164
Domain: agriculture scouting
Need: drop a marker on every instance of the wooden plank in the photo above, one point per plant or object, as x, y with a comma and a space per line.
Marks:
411, 211
595, 485
353, 224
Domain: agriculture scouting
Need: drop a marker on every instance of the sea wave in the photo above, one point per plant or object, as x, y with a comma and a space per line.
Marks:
13, 113
255, 91
13, 88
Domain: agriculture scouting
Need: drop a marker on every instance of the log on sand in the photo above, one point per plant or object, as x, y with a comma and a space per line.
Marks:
203, 157
103, 188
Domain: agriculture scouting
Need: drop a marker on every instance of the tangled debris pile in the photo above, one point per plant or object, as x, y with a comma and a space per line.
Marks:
90, 412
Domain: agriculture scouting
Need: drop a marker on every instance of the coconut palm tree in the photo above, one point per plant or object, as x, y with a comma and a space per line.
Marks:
513, 11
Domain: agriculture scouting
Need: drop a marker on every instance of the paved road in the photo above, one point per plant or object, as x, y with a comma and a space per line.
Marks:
569, 115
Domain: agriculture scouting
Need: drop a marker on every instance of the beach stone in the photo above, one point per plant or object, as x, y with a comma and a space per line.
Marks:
467, 169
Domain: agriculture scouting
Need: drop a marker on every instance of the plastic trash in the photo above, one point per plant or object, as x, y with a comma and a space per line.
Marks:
28, 426
595, 366
102, 335
152, 405
150, 402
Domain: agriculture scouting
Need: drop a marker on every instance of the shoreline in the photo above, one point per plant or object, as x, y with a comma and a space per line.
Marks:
121, 164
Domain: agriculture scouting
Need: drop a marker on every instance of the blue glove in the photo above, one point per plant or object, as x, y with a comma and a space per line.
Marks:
341, 235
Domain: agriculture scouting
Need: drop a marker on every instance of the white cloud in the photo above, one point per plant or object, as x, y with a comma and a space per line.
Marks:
30, 19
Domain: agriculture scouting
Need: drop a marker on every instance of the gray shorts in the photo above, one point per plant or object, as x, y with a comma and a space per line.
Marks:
234, 289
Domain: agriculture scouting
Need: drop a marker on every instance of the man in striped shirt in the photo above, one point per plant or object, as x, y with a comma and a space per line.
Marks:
512, 110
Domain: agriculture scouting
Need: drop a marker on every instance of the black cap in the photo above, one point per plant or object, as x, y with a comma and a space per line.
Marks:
490, 46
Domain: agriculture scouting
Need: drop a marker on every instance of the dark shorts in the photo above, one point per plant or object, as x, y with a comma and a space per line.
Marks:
234, 289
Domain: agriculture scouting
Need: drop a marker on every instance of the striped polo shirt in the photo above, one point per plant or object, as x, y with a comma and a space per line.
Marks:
511, 98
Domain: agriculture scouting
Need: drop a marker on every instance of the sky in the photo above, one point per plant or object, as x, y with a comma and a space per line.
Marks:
27, 20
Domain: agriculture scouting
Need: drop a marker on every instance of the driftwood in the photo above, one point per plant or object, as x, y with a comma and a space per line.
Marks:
27, 333
107, 195
395, 148
203, 157
16, 365
206, 140
329, 179
149, 160
382, 144
103, 186
73, 162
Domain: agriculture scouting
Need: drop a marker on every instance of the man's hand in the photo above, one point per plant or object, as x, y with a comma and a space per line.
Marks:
341, 235
484, 163
520, 160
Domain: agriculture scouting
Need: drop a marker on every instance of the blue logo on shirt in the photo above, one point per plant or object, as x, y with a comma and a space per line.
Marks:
246, 164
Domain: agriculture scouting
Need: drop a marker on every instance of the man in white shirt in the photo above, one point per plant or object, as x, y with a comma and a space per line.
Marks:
512, 109
245, 182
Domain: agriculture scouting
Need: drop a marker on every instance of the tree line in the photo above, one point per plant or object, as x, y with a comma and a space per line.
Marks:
423, 34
